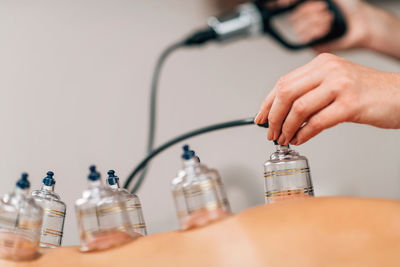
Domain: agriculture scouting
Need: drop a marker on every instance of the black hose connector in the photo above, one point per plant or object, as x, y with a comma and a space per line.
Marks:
201, 37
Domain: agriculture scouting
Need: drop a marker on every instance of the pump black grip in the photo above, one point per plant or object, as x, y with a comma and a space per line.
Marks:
338, 26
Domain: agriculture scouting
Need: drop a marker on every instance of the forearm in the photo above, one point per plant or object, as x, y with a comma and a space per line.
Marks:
383, 32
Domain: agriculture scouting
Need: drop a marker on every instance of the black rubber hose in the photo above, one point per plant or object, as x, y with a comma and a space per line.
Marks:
152, 154
153, 98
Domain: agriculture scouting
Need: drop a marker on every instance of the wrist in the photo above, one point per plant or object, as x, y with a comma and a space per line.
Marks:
379, 28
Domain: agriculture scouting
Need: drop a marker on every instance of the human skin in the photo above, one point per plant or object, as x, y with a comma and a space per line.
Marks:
203, 217
334, 231
16, 246
368, 26
330, 90
325, 92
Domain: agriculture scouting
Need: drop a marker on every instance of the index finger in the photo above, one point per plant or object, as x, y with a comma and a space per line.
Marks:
288, 89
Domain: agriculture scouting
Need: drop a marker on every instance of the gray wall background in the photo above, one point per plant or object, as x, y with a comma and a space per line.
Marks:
74, 88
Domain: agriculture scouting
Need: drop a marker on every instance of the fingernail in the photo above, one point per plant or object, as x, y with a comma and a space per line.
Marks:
270, 135
275, 136
294, 141
257, 119
282, 140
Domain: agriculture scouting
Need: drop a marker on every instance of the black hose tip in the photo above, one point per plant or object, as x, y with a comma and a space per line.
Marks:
201, 37
263, 125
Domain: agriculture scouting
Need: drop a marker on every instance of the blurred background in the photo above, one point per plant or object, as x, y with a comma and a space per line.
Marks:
74, 89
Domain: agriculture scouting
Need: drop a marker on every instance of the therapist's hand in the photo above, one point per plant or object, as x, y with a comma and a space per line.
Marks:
367, 26
313, 20
325, 92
